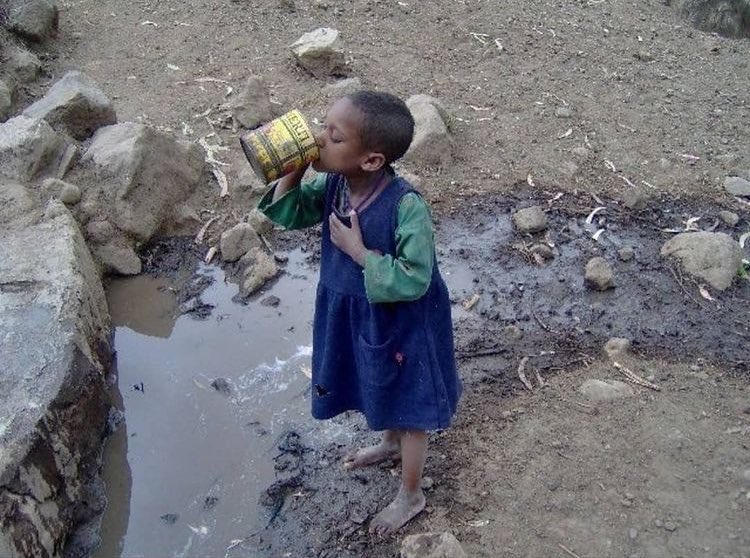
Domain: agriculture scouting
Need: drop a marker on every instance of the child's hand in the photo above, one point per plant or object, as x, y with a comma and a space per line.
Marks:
346, 239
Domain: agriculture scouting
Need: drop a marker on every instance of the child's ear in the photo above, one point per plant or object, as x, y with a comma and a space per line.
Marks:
373, 162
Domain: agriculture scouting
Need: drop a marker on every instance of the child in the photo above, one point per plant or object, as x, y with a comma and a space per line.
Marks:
382, 334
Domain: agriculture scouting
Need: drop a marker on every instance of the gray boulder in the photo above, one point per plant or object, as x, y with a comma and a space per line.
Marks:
252, 106
730, 18
712, 257
33, 19
24, 66
54, 399
143, 176
530, 220
432, 144
235, 242
6, 101
30, 149
599, 275
18, 206
320, 53
74, 105
432, 545
605, 390
737, 186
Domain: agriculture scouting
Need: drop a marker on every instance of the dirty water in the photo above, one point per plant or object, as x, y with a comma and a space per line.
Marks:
205, 402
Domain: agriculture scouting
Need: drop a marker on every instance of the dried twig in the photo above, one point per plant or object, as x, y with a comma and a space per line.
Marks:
568, 551
522, 374
634, 378
202, 232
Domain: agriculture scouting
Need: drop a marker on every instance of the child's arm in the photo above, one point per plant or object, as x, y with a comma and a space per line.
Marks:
407, 275
294, 204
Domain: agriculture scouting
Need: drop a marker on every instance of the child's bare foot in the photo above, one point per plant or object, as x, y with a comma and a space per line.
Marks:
372, 455
398, 513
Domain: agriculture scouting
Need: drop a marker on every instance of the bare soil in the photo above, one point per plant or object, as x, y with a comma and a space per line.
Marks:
650, 103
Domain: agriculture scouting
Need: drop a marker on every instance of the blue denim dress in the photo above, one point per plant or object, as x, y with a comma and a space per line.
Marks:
394, 361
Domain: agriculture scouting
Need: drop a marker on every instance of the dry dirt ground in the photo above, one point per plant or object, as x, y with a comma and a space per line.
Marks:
655, 105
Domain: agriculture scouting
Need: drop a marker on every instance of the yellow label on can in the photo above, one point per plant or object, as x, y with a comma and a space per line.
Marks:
280, 146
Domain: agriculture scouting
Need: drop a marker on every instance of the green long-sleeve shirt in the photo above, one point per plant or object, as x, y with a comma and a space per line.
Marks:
405, 276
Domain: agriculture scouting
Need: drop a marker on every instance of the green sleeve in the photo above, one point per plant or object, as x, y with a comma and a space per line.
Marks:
406, 276
300, 207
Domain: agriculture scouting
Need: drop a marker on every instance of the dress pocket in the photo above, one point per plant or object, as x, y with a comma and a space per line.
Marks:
378, 364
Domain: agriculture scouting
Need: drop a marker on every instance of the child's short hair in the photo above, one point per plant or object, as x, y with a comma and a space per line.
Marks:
387, 123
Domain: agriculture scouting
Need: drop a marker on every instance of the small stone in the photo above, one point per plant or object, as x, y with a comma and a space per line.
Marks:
737, 186
632, 533
236, 242
530, 220
222, 386
644, 56
24, 66
320, 52
729, 217
659, 523
634, 199
626, 503
543, 250
670, 526
626, 254
432, 545
271, 301
70, 194
599, 275
99, 232
746, 475
427, 483
563, 112
616, 347
581, 152
513, 332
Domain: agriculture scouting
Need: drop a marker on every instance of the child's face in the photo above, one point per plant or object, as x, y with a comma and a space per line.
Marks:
341, 149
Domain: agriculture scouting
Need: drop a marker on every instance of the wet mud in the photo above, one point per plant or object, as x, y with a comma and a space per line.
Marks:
507, 305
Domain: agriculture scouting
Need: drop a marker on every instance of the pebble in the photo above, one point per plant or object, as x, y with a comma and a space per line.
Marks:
633, 533
427, 483
729, 217
70, 194
670, 526
563, 112
626, 254
659, 523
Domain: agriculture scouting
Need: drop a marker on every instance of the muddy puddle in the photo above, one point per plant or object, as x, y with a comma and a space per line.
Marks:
218, 455
205, 402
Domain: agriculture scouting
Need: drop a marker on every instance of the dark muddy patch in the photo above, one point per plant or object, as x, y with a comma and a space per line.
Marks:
524, 308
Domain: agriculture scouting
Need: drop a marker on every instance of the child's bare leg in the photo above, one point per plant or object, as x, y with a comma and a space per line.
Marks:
388, 448
410, 500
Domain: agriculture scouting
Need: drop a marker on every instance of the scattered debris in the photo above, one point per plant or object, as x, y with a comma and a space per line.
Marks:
634, 378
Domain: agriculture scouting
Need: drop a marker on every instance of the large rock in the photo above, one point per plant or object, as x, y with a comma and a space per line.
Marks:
712, 257
30, 149
74, 105
730, 18
252, 106
18, 206
56, 349
143, 176
24, 66
432, 144
33, 19
320, 53
6, 101
432, 545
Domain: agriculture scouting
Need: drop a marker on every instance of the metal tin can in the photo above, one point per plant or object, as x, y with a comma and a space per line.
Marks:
280, 146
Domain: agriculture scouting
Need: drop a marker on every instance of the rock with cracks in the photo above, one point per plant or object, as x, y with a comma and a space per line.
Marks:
143, 175
432, 144
53, 398
712, 257
74, 105
259, 267
432, 545
30, 149
320, 53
